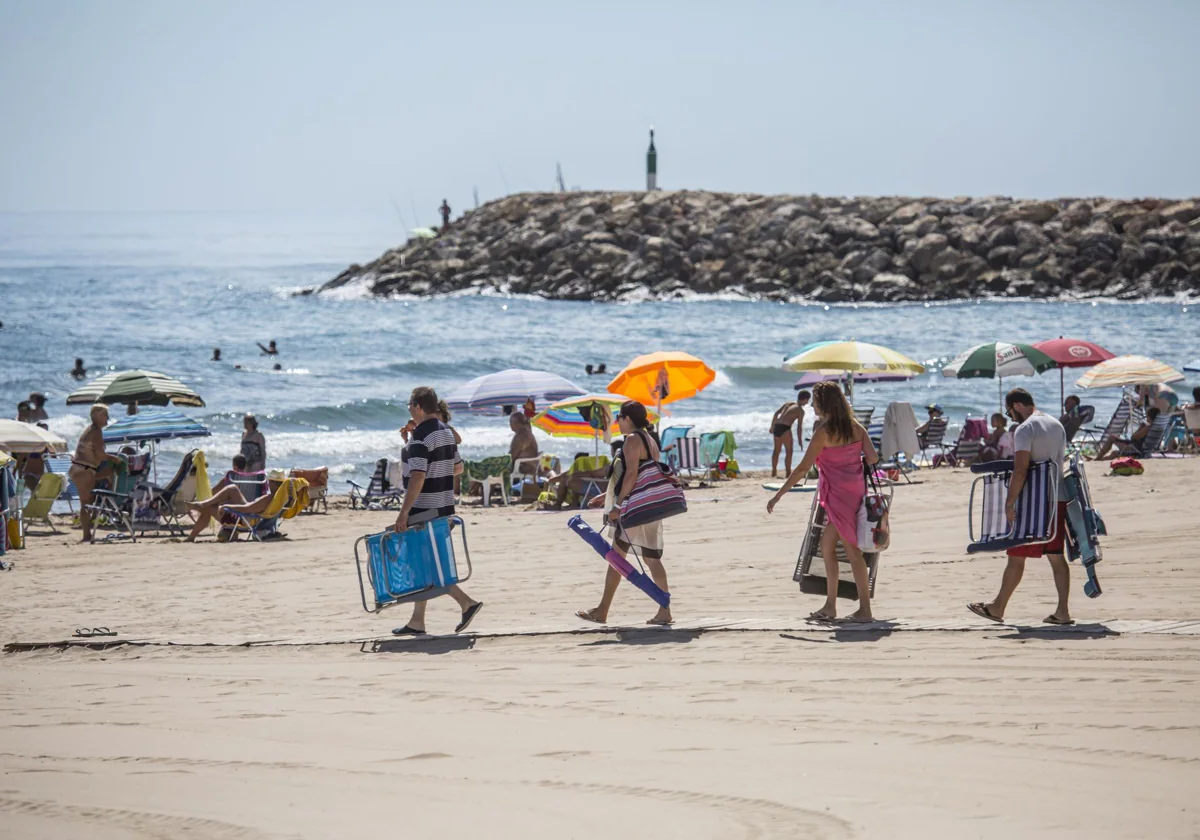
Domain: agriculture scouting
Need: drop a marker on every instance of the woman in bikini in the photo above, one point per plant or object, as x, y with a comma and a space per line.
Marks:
91, 464
839, 447
789, 414
639, 445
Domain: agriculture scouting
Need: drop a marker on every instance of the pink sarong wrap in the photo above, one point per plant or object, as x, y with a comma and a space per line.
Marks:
841, 487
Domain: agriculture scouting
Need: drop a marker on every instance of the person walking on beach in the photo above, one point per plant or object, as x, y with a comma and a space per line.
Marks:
789, 414
839, 448
1038, 437
254, 445
431, 458
639, 446
90, 464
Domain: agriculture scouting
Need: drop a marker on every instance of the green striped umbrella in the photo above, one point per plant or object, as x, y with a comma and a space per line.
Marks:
999, 359
143, 387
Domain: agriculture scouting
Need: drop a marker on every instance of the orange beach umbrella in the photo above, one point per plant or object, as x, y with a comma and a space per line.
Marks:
663, 377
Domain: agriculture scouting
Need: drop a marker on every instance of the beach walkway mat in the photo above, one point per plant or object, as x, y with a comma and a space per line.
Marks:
696, 627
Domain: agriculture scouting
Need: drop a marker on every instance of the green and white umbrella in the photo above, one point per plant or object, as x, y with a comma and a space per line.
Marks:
144, 387
997, 360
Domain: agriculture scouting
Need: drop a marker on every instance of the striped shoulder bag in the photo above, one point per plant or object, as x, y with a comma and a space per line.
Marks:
657, 494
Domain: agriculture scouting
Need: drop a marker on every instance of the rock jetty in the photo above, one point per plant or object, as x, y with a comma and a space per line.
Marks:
667, 245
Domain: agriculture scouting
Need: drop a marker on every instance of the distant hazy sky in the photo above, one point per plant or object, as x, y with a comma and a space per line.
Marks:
332, 105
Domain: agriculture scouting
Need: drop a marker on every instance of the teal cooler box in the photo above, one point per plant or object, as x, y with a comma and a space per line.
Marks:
412, 565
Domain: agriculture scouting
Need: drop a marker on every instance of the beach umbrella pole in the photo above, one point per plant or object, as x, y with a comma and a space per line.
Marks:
1062, 400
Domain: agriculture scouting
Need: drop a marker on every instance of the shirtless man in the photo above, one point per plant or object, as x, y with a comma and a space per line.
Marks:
781, 429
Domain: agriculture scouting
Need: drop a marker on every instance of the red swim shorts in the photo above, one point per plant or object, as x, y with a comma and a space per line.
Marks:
1055, 546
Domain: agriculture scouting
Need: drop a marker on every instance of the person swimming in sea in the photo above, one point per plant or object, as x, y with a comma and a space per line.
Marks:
270, 349
79, 371
216, 355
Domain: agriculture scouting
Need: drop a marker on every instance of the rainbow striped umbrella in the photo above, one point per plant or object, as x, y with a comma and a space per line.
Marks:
574, 417
1129, 370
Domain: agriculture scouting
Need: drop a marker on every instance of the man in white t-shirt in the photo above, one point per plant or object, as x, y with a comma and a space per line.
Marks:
1037, 437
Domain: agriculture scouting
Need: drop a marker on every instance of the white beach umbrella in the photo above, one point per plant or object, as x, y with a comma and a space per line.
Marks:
23, 438
488, 394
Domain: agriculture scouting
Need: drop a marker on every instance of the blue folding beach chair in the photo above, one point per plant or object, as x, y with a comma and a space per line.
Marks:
413, 565
1084, 525
1037, 506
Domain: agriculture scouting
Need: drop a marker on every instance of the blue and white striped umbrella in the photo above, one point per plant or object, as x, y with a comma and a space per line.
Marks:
153, 425
488, 394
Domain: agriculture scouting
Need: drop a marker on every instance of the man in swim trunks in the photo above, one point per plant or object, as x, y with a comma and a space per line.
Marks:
781, 430
1038, 437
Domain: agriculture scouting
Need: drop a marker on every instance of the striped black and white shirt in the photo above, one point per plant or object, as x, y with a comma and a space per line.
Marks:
432, 451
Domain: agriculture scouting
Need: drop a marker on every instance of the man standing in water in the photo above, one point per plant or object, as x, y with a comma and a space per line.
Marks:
429, 493
781, 430
1038, 437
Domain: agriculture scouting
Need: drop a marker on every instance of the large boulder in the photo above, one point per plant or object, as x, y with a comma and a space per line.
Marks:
928, 247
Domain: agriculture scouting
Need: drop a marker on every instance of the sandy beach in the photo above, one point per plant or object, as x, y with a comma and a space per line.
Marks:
741, 721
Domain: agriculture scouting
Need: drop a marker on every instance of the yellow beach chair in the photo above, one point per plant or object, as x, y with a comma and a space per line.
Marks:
38, 506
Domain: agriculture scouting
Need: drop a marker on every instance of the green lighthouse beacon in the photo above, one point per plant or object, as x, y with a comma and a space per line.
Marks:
651, 165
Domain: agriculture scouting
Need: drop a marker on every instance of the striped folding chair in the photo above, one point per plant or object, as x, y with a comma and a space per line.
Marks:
687, 455
1037, 506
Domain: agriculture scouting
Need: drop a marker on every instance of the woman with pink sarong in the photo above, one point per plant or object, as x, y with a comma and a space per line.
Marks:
839, 447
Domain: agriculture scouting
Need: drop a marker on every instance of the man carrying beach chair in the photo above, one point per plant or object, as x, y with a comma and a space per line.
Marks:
430, 459
1038, 437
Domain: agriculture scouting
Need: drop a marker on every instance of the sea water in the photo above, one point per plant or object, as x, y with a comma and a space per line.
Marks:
161, 291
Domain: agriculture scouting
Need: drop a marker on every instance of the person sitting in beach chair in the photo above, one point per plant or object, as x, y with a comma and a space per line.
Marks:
998, 443
524, 447
260, 522
584, 479
229, 492
1145, 439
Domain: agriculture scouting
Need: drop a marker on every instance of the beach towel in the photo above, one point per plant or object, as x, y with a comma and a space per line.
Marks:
899, 431
841, 487
1126, 466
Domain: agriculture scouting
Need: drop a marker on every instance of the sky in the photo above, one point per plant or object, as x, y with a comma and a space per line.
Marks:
389, 107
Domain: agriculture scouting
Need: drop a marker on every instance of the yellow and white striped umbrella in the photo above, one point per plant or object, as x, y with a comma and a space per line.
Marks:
852, 356
1128, 370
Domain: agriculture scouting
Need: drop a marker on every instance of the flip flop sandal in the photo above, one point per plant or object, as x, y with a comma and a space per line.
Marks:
468, 616
1052, 620
408, 631
982, 611
586, 616
653, 622
821, 618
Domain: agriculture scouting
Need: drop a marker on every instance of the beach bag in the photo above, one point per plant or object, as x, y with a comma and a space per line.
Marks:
1126, 466
874, 527
656, 495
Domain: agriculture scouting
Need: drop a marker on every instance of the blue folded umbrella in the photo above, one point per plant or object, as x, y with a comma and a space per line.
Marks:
153, 425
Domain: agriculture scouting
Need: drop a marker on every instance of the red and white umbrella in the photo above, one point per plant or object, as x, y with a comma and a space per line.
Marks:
1072, 352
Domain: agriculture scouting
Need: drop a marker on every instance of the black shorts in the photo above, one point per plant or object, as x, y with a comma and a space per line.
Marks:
780, 429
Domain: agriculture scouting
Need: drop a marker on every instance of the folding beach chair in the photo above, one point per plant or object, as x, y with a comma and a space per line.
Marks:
668, 440
811, 575
712, 447
1037, 506
1115, 428
1191, 425
899, 463
37, 509
686, 456
412, 565
863, 414
379, 492
934, 438
966, 448
290, 498
1084, 525
318, 485
1151, 444
61, 465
